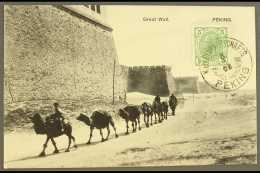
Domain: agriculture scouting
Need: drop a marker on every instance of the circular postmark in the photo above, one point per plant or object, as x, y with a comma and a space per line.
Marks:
227, 63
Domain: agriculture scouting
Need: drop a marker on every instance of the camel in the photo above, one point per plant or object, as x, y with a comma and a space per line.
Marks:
165, 109
131, 113
148, 113
99, 119
157, 110
50, 129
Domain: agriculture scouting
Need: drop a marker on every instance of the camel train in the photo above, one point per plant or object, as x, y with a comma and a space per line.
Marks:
55, 126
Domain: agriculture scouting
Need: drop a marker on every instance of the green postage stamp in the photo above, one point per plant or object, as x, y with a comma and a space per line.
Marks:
210, 49
225, 63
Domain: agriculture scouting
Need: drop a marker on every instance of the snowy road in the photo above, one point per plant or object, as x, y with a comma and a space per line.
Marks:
206, 130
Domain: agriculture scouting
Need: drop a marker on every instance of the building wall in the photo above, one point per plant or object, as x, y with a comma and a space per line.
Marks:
186, 84
203, 87
153, 80
170, 81
53, 53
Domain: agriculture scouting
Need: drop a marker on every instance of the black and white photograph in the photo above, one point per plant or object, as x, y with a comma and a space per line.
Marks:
98, 85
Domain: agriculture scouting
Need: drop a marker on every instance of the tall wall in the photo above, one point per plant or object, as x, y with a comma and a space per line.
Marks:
186, 84
54, 53
203, 87
171, 82
153, 80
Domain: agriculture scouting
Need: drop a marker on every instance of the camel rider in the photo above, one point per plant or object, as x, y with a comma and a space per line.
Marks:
58, 116
157, 99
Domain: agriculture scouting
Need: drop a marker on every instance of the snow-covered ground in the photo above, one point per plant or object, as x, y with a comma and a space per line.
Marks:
207, 129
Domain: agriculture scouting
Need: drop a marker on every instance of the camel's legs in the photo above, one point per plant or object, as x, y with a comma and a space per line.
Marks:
68, 148
133, 125
116, 135
74, 141
155, 118
108, 132
151, 116
115, 131
114, 127
173, 110
145, 119
90, 136
138, 120
127, 127
160, 117
44, 147
163, 115
148, 119
101, 135
55, 147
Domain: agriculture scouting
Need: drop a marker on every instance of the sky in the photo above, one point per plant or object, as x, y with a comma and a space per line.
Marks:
171, 43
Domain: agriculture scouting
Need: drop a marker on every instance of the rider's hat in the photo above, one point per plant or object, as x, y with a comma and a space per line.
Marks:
55, 104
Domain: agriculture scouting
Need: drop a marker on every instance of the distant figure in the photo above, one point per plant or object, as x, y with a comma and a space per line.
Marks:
173, 103
58, 117
157, 99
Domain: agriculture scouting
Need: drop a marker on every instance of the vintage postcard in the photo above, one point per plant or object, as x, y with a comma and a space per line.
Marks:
89, 86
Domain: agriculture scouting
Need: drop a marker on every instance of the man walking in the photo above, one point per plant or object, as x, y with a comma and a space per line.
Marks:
173, 103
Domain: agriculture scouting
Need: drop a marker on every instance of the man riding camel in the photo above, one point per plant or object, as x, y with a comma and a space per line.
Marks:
157, 99
58, 116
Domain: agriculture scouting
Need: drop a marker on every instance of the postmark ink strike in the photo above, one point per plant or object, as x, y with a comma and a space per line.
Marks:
225, 63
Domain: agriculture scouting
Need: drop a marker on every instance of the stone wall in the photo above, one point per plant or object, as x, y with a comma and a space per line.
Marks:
153, 80
52, 53
170, 81
203, 87
186, 84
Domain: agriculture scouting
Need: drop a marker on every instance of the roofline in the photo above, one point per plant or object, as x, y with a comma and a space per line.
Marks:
88, 14
187, 77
